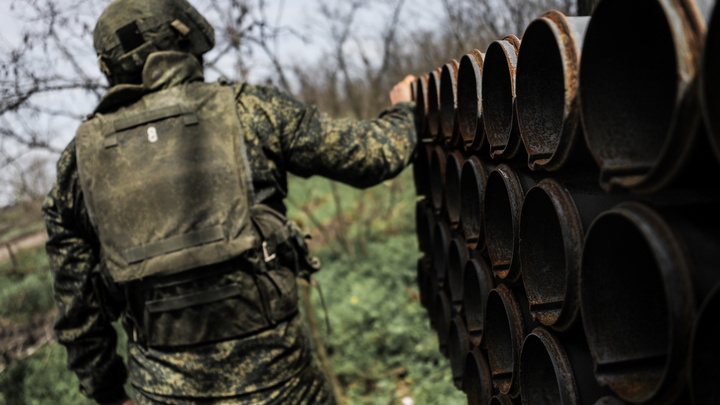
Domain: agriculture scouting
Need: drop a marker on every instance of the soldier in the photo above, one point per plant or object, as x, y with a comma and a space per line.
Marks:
168, 213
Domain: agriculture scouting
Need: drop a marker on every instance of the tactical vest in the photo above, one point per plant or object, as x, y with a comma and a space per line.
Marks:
168, 189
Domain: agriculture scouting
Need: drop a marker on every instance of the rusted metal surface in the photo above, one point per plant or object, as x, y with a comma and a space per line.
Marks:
421, 107
504, 193
441, 243
458, 347
710, 80
437, 178
638, 301
421, 170
501, 399
609, 401
453, 168
498, 98
477, 380
641, 124
424, 281
456, 260
469, 93
705, 353
557, 370
477, 284
472, 186
449, 102
433, 103
421, 226
553, 221
547, 82
444, 316
505, 331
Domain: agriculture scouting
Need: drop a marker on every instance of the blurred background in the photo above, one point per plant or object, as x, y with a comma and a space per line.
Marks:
343, 56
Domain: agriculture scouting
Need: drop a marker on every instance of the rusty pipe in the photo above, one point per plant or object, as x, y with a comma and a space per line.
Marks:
424, 280
477, 284
453, 167
433, 103
710, 80
501, 399
498, 98
421, 107
421, 226
652, 265
505, 331
557, 370
469, 94
504, 193
444, 316
477, 381
437, 178
705, 353
441, 243
547, 80
456, 260
421, 170
640, 109
609, 400
472, 185
458, 347
449, 103
553, 221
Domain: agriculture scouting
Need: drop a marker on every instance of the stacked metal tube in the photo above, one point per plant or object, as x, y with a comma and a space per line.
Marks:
568, 219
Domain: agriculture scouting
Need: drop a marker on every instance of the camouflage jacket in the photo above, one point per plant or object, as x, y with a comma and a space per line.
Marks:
282, 135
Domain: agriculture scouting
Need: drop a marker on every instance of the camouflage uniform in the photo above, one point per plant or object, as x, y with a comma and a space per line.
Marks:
274, 366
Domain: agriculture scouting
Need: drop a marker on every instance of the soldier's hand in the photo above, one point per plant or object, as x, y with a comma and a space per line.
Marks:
401, 92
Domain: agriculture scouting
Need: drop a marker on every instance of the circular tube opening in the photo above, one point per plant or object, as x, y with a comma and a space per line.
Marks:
421, 229
543, 257
443, 313
453, 194
540, 91
628, 89
621, 276
500, 400
441, 243
472, 186
421, 106
476, 378
503, 335
539, 382
448, 98
437, 177
457, 258
497, 96
705, 353
433, 103
458, 346
421, 171
423, 277
477, 283
500, 223
469, 96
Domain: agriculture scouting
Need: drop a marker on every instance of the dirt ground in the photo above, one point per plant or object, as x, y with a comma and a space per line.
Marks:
28, 241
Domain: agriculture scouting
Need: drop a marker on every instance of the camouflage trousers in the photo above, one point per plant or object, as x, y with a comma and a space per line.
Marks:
309, 387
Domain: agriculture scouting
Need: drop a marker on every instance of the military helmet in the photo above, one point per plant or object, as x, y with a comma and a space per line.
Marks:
129, 30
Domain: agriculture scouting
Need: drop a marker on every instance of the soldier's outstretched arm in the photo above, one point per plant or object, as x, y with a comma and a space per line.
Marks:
81, 325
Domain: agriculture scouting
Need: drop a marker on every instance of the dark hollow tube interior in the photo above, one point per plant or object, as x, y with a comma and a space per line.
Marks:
499, 225
497, 96
469, 96
542, 254
442, 306
448, 98
476, 378
501, 400
705, 353
433, 111
539, 384
624, 308
627, 88
437, 177
458, 346
477, 283
421, 171
424, 241
421, 106
441, 243
457, 258
540, 90
453, 194
498, 337
472, 185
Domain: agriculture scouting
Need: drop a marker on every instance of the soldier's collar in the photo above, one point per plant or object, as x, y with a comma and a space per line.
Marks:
162, 70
